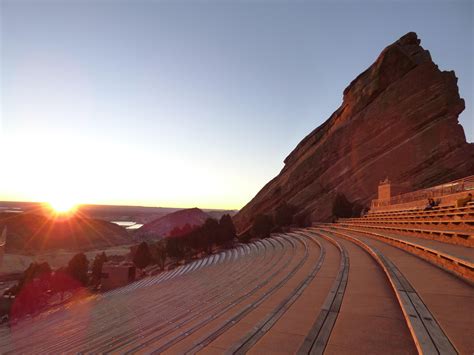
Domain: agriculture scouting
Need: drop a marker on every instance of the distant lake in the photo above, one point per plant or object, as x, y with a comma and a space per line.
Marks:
128, 224
10, 209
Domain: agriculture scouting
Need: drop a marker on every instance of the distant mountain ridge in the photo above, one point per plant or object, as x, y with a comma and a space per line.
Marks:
138, 214
163, 226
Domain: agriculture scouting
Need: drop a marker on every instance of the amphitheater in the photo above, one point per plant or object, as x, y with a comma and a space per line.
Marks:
398, 280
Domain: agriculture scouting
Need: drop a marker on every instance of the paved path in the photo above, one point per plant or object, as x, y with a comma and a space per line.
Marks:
288, 333
370, 312
448, 298
458, 251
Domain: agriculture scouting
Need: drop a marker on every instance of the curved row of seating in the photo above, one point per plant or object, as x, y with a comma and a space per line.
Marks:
427, 333
329, 288
414, 210
318, 336
458, 237
453, 225
463, 223
429, 267
450, 213
176, 313
241, 251
190, 310
255, 332
259, 256
159, 343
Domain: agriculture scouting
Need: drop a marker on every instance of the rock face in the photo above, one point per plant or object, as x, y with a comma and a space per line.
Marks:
398, 119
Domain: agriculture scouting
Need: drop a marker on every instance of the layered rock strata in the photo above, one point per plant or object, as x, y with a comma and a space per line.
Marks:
398, 119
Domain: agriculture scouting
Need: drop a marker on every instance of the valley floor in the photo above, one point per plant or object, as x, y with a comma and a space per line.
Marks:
16, 263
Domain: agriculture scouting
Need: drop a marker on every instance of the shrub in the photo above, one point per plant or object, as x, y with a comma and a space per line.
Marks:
142, 257
262, 226
284, 215
245, 237
343, 208
77, 268
158, 253
210, 234
97, 264
302, 220
227, 230
175, 248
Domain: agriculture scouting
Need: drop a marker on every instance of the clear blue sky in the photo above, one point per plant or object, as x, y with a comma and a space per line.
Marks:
190, 103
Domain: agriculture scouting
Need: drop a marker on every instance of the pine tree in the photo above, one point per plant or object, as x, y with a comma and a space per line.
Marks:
284, 215
262, 226
159, 253
97, 264
77, 268
142, 257
227, 227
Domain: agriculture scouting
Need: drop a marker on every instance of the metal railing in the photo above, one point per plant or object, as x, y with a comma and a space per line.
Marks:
464, 184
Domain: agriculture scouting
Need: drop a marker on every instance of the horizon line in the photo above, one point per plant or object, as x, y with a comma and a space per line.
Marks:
126, 205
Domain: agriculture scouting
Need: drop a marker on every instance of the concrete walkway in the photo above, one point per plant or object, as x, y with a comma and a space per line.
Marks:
449, 299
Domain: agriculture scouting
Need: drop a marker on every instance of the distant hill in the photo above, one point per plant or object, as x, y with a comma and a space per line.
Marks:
138, 214
162, 227
34, 233
217, 214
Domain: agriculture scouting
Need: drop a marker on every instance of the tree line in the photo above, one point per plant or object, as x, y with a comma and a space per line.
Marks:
264, 225
183, 244
39, 283
286, 215
186, 243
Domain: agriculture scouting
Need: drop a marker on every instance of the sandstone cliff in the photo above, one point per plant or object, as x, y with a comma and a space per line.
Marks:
398, 119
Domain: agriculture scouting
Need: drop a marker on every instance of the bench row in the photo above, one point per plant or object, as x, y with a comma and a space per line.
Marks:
160, 305
466, 225
459, 237
436, 209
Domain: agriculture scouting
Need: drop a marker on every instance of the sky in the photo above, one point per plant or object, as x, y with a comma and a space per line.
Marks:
190, 103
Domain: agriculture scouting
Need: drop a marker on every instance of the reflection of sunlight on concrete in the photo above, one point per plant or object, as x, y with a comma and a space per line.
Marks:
78, 317
98, 311
32, 313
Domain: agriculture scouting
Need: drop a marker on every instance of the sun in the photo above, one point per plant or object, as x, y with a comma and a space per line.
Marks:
62, 206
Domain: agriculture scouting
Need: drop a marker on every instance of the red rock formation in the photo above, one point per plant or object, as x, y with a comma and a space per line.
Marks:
398, 119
